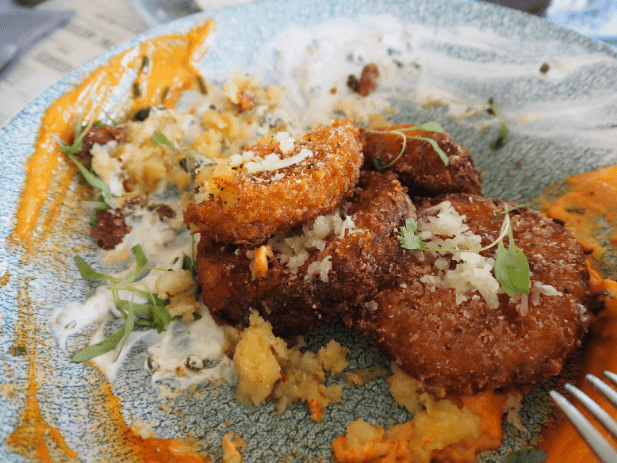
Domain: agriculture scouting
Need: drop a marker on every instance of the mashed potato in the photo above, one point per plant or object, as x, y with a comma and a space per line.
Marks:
267, 369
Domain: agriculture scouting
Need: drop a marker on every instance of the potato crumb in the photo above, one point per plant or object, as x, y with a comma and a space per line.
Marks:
177, 286
361, 376
266, 368
256, 365
142, 428
437, 425
232, 446
513, 408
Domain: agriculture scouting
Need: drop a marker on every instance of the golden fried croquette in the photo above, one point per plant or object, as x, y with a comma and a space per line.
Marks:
345, 266
253, 205
467, 345
420, 168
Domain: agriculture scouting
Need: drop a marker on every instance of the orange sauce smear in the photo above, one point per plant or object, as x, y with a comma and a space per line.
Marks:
169, 69
595, 194
32, 433
151, 450
171, 65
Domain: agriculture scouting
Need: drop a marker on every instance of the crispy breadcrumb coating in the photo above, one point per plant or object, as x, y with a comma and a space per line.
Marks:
470, 346
296, 303
249, 207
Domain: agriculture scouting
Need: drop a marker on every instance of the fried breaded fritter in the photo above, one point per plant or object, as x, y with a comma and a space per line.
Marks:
420, 168
295, 303
470, 346
248, 208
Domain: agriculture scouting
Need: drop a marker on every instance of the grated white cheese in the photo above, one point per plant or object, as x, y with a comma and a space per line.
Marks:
473, 272
286, 143
538, 288
273, 162
293, 250
322, 267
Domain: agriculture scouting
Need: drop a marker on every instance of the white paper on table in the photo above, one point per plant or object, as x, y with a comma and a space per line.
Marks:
96, 26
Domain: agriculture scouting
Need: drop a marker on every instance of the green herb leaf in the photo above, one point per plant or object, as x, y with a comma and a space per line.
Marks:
188, 263
492, 110
512, 269
438, 150
407, 235
380, 165
93, 180
140, 258
161, 139
511, 265
128, 328
527, 456
89, 352
153, 313
89, 273
430, 127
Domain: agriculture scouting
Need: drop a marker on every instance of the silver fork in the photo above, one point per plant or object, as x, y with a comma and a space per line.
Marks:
604, 451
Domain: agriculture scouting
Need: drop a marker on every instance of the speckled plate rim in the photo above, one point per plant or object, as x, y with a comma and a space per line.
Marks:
17, 136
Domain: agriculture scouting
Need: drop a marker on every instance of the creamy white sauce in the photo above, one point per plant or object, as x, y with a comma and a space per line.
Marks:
415, 65
169, 350
202, 340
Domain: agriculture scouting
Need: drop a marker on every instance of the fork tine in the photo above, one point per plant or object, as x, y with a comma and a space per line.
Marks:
610, 375
603, 417
595, 440
604, 389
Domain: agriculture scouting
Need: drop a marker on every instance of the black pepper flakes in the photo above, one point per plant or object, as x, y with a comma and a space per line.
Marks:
544, 68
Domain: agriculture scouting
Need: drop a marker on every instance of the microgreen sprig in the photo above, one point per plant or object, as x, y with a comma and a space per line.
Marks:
427, 127
152, 313
492, 110
161, 139
73, 149
511, 265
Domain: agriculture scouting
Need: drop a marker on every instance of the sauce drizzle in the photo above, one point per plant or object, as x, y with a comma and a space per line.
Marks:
172, 61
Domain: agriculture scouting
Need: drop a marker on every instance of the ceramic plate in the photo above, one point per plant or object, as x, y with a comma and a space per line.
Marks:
562, 121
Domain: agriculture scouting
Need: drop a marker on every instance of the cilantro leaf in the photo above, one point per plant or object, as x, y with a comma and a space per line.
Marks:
407, 235
527, 456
